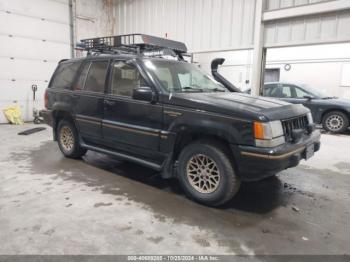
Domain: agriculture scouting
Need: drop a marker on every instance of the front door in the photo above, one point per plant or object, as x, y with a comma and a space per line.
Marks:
90, 91
130, 125
292, 94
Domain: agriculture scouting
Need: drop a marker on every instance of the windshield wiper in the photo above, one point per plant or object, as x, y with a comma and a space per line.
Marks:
192, 88
329, 97
218, 90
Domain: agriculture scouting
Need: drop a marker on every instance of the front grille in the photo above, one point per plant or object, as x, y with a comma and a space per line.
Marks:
300, 122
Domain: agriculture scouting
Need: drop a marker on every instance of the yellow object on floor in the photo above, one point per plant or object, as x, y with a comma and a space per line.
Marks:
13, 114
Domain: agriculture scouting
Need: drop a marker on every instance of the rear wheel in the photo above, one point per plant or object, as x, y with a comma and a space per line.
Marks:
68, 140
206, 173
335, 121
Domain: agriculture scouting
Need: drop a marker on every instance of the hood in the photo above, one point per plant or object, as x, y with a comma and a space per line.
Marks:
335, 101
238, 105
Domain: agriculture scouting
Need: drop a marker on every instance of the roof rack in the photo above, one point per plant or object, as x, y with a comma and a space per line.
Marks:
134, 43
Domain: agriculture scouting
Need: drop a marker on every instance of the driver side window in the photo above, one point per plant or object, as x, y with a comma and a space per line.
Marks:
299, 93
125, 77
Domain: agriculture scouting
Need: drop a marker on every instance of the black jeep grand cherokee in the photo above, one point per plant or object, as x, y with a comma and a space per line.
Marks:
168, 115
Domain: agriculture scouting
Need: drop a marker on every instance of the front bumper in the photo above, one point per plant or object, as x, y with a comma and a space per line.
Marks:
256, 163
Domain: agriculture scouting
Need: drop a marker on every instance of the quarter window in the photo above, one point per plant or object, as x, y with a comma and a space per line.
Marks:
64, 75
125, 78
273, 91
96, 77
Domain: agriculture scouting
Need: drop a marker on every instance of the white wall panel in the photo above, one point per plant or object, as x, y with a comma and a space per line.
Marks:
34, 28
17, 47
9, 96
201, 24
278, 4
41, 9
23, 69
35, 38
316, 29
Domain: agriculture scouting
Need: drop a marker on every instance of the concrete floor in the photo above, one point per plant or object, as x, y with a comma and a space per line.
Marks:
98, 205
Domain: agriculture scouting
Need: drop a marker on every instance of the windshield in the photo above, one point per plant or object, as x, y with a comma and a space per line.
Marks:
182, 77
314, 92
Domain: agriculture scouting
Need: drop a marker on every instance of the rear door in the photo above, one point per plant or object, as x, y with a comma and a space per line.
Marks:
90, 91
130, 124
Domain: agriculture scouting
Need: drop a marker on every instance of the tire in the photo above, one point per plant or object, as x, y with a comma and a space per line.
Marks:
335, 122
224, 182
68, 140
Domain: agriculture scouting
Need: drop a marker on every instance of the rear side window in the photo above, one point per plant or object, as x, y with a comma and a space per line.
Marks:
64, 75
96, 78
82, 77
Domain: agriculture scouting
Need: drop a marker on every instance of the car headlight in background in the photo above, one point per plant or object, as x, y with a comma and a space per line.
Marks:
268, 134
309, 118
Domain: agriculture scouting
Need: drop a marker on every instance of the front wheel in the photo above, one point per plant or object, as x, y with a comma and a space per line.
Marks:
335, 121
206, 173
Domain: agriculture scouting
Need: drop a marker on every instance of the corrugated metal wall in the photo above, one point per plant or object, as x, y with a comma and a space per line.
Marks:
201, 24
317, 29
228, 24
278, 4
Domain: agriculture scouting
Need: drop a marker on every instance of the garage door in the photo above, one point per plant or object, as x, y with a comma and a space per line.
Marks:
34, 36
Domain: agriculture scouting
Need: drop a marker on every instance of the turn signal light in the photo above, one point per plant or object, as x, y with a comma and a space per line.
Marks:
258, 130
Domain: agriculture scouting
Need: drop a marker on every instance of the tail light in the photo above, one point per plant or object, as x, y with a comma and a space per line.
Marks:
46, 99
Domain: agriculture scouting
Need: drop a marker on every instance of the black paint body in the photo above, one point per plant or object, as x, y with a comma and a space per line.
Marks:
152, 133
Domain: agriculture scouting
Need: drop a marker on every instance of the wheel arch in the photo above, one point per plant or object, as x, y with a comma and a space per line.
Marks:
324, 113
189, 135
57, 116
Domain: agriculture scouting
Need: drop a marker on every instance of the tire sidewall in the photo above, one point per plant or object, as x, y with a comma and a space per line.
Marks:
342, 115
225, 171
62, 124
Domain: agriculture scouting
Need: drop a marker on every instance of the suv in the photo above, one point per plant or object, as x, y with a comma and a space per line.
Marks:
125, 99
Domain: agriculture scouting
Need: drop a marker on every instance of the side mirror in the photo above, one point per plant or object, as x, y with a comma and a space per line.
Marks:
308, 97
144, 93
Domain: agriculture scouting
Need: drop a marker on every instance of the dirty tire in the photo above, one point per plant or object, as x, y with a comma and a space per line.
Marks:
68, 140
203, 159
335, 122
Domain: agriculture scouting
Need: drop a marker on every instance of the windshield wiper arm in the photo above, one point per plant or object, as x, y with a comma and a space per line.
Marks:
329, 97
192, 88
218, 90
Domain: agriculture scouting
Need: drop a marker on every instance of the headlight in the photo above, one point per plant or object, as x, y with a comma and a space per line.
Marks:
309, 118
269, 134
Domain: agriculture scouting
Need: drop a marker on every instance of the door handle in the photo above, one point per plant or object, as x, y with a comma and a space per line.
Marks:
109, 102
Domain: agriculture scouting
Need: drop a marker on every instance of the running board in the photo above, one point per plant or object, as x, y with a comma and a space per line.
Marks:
123, 156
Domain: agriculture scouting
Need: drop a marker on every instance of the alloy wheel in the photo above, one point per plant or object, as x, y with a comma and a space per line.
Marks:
203, 173
66, 138
335, 123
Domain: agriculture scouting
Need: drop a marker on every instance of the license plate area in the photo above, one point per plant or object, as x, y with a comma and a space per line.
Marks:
309, 151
